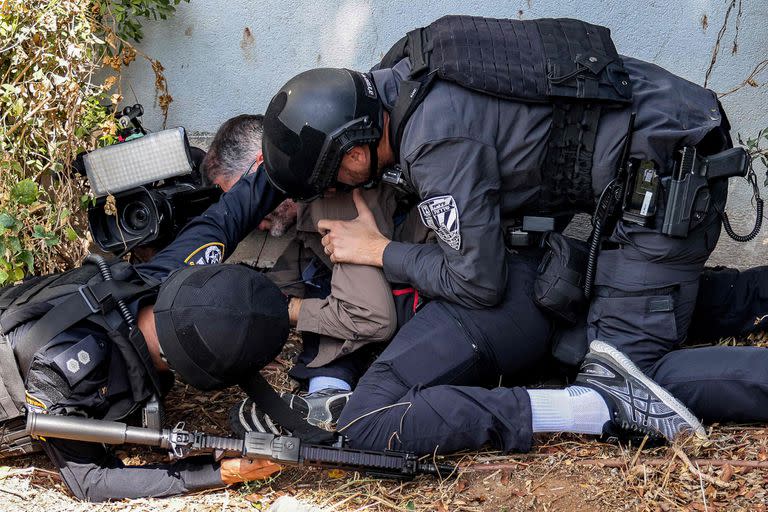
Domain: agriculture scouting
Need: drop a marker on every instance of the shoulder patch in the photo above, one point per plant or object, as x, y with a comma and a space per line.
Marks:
79, 360
441, 215
207, 254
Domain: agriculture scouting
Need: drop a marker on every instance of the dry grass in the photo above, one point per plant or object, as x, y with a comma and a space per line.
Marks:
563, 473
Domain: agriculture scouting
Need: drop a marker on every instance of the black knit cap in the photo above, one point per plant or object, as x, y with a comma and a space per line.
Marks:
217, 324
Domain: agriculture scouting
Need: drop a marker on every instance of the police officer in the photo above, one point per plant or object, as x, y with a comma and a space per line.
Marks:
82, 353
478, 162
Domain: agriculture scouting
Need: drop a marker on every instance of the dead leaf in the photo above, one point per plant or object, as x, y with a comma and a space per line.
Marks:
727, 473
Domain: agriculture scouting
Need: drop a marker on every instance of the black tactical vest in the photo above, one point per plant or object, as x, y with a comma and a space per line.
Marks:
52, 304
569, 64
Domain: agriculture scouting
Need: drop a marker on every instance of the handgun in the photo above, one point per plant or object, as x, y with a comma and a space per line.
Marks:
689, 197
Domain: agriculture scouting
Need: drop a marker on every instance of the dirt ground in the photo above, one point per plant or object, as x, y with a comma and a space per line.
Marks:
563, 473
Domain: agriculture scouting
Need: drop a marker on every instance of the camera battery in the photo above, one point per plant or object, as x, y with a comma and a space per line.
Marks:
642, 193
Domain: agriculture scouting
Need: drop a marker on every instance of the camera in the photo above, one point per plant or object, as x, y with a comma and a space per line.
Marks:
147, 187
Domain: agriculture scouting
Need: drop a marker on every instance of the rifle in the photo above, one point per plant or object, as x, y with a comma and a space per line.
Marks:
289, 450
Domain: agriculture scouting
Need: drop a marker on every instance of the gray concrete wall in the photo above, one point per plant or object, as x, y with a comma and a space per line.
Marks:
223, 58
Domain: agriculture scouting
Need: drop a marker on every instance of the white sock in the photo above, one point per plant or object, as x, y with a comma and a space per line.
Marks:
573, 409
318, 383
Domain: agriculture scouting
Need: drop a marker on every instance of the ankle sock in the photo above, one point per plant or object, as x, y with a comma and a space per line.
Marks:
318, 383
574, 409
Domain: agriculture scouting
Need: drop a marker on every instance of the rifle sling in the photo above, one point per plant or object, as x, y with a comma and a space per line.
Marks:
268, 400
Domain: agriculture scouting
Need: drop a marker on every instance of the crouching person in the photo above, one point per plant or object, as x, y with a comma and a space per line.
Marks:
101, 342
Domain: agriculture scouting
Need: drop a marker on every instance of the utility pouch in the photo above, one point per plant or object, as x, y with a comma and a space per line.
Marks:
558, 288
14, 440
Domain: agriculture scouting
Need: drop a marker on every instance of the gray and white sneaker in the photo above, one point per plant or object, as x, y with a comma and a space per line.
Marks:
637, 404
321, 409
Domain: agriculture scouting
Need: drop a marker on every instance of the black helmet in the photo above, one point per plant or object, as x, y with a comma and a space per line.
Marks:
312, 121
218, 324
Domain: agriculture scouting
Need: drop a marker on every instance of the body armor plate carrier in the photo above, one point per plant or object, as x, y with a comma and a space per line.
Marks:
569, 64
52, 304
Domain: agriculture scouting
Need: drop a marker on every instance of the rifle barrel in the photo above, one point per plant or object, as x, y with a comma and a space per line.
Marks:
92, 431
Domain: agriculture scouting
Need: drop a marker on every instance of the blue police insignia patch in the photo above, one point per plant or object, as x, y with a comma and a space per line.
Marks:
441, 215
207, 254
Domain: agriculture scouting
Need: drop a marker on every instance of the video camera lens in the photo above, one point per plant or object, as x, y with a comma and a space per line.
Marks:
135, 217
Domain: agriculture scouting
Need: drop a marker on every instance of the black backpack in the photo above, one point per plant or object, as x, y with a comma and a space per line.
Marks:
55, 303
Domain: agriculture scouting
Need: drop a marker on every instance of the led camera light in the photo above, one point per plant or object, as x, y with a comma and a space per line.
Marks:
153, 157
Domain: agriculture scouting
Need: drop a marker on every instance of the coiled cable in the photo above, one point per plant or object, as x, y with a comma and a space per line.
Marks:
759, 206
106, 274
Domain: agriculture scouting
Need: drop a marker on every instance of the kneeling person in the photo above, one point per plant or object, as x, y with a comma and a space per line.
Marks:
339, 309
80, 355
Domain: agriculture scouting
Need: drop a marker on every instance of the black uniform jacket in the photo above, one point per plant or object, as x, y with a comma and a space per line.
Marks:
476, 161
81, 373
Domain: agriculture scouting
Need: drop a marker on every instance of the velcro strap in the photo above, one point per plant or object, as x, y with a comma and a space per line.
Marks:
75, 308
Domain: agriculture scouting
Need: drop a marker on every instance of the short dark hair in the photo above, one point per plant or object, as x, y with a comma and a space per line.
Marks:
235, 146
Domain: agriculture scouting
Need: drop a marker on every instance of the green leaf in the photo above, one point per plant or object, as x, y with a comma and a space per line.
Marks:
25, 192
71, 234
17, 108
86, 200
410, 505
17, 274
28, 259
3, 276
14, 244
6, 220
38, 231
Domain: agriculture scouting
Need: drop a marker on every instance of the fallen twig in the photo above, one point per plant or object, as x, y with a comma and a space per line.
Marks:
695, 470
623, 463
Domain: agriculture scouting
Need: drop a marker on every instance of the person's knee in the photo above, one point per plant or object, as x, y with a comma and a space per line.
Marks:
370, 416
371, 428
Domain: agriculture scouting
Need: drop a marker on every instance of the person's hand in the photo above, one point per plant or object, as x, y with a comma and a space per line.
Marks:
281, 219
357, 241
234, 471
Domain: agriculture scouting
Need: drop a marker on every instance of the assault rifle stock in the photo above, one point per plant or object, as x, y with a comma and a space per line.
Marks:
288, 450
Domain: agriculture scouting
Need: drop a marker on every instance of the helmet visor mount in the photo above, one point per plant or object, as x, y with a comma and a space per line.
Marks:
357, 132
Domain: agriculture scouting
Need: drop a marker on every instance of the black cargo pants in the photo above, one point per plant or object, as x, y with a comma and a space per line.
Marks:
442, 383
645, 294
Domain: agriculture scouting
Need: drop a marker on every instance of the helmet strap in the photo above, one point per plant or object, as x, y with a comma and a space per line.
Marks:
373, 170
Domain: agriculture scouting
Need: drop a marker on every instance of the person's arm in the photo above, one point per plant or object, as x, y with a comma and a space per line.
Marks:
92, 473
211, 237
359, 307
730, 303
458, 181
